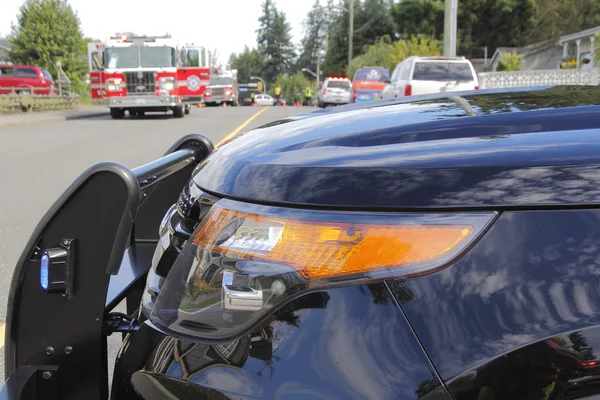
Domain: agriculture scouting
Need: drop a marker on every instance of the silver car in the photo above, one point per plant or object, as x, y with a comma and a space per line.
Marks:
335, 90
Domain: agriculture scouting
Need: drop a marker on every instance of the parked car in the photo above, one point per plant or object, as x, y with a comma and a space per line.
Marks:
264, 100
25, 79
368, 83
423, 75
335, 90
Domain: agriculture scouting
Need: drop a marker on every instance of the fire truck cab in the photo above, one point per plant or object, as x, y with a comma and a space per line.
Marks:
147, 74
223, 87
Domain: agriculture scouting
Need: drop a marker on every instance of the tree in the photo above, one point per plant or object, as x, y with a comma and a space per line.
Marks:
292, 87
510, 62
480, 22
388, 54
336, 59
248, 63
372, 21
274, 42
553, 18
48, 31
419, 17
315, 32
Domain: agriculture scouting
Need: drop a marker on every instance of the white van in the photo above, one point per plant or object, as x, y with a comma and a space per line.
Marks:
422, 75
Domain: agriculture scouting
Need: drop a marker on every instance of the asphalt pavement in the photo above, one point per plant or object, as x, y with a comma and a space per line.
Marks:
39, 160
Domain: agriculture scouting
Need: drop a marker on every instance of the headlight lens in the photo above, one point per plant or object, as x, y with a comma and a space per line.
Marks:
114, 84
167, 83
245, 261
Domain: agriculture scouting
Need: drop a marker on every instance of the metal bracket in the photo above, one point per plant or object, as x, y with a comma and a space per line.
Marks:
119, 323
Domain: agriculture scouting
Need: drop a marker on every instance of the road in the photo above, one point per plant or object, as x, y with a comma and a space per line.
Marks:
39, 161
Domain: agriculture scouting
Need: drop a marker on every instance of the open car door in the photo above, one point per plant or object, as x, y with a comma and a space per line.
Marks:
91, 250
95, 67
193, 77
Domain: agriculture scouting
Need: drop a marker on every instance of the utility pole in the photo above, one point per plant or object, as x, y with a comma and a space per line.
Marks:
450, 12
350, 31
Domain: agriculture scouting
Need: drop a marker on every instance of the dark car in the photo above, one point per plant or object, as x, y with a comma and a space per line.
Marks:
25, 79
442, 248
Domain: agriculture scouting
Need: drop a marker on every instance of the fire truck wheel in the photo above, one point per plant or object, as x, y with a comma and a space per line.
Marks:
178, 112
116, 113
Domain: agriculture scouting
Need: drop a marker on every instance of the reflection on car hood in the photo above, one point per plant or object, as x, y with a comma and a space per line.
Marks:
520, 147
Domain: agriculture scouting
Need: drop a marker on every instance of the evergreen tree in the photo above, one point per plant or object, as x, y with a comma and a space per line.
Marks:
315, 32
248, 63
48, 31
274, 42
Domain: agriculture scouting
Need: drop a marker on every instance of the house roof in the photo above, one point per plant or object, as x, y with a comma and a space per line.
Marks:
524, 50
579, 35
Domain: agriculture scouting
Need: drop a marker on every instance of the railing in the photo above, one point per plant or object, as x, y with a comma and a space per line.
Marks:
492, 80
24, 99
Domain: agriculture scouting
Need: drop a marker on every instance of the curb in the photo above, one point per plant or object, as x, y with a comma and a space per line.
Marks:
82, 115
14, 120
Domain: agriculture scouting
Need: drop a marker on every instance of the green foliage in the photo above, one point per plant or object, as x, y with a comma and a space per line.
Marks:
388, 54
419, 17
480, 22
553, 18
292, 87
376, 55
248, 63
372, 21
315, 31
274, 42
510, 62
416, 45
48, 31
597, 50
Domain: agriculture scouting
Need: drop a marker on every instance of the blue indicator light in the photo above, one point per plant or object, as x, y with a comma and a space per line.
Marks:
44, 272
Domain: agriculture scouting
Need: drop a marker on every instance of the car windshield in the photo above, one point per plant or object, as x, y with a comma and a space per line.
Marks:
442, 71
372, 74
122, 57
162, 57
221, 80
47, 75
130, 57
339, 84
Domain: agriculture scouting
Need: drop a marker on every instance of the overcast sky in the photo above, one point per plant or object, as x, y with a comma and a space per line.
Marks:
226, 25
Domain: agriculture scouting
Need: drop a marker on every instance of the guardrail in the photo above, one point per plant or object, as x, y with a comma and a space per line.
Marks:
25, 99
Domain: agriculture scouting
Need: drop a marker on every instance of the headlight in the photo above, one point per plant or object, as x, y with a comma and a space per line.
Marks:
227, 93
244, 261
167, 83
114, 84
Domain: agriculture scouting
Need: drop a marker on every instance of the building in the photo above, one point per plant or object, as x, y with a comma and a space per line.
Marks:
580, 45
537, 56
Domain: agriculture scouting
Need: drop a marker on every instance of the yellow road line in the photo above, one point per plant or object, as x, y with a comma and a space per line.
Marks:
242, 126
2, 331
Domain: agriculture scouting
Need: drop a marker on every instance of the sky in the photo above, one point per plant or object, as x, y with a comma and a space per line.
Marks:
225, 25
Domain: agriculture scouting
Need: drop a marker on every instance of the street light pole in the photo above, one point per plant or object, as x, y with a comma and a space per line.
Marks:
450, 11
350, 31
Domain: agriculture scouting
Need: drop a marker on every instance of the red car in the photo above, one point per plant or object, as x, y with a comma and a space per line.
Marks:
25, 79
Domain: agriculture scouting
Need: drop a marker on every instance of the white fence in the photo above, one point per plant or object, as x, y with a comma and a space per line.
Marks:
491, 80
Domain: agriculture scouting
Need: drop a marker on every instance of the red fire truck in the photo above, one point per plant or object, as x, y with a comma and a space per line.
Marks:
144, 74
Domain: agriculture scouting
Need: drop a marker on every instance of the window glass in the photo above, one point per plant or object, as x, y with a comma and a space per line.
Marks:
339, 84
405, 74
47, 75
4, 71
122, 57
193, 58
158, 57
442, 71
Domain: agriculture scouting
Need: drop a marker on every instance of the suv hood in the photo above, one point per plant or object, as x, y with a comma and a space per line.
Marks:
474, 149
